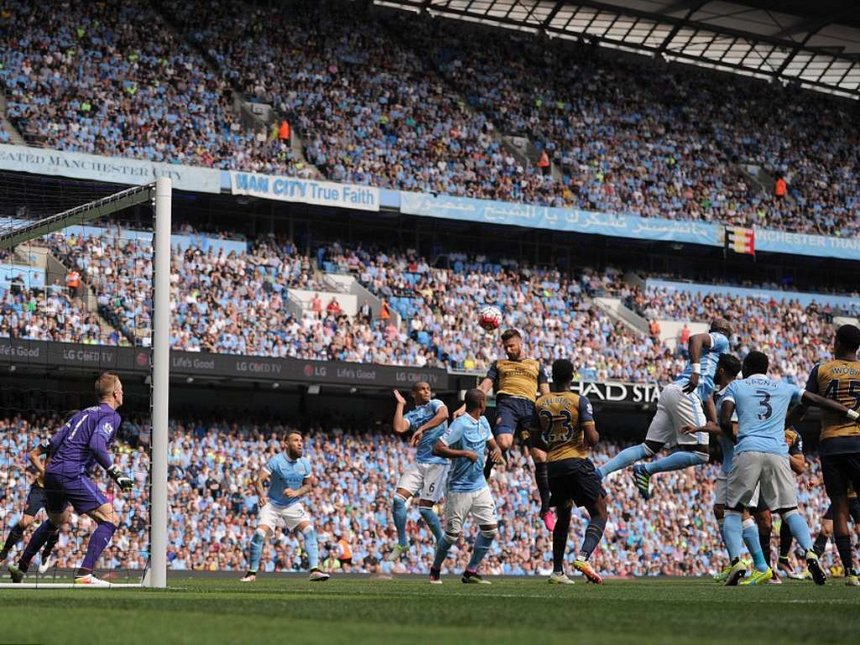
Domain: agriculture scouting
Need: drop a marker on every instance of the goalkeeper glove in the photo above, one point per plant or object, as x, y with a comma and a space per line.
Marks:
122, 480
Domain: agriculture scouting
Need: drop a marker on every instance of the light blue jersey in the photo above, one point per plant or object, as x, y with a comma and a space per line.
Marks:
286, 474
762, 404
726, 444
416, 418
710, 357
466, 433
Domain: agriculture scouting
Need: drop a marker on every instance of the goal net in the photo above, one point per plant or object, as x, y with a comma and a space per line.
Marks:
84, 280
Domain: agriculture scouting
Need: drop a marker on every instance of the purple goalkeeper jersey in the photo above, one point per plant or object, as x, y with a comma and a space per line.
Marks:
84, 441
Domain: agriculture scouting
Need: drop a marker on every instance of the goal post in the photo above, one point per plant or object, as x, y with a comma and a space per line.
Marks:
157, 577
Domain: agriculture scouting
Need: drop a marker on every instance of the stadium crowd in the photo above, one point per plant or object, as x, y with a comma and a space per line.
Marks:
113, 78
428, 112
216, 293
214, 505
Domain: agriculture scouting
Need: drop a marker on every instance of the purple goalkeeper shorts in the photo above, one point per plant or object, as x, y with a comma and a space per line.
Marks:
77, 490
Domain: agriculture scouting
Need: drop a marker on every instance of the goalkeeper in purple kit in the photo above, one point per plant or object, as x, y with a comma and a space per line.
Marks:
81, 443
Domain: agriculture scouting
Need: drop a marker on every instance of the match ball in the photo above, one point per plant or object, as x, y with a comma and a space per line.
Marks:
490, 318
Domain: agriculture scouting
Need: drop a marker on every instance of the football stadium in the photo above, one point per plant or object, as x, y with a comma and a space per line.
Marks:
400, 321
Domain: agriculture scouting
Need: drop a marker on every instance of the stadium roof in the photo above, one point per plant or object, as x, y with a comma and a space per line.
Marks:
816, 44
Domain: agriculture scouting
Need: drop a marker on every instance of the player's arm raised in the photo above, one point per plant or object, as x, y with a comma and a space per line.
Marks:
440, 417
694, 347
400, 424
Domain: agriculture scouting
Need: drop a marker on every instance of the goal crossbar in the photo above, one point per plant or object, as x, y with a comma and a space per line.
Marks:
77, 215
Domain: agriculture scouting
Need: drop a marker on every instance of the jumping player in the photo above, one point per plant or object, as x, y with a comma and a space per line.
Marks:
428, 420
465, 443
680, 405
517, 380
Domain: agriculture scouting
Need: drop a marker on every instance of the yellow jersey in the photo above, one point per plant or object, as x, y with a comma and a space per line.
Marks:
563, 417
838, 380
517, 378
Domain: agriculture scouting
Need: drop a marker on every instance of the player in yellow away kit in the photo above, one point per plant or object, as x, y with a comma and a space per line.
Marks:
567, 430
839, 380
517, 380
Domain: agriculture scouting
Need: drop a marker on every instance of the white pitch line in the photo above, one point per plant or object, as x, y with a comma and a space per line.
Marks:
64, 585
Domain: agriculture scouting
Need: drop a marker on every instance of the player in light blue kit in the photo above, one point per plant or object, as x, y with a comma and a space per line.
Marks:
426, 477
761, 459
289, 478
728, 367
465, 443
680, 404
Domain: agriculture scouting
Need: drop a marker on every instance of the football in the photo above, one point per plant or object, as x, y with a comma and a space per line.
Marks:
490, 318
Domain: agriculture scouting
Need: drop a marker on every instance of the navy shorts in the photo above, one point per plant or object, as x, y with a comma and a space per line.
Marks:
840, 472
516, 416
853, 510
77, 490
35, 500
574, 479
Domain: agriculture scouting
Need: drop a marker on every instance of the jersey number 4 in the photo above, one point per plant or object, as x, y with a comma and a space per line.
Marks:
832, 392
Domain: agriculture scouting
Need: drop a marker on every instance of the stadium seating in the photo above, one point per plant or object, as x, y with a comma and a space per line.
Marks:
213, 506
113, 78
428, 113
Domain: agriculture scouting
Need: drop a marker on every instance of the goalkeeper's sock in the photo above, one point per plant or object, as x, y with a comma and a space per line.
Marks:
98, 542
53, 538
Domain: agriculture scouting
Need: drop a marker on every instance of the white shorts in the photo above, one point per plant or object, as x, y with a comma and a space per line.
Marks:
761, 478
675, 409
276, 516
721, 491
459, 506
427, 481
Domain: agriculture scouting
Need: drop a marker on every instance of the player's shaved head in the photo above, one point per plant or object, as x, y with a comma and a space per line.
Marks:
848, 338
722, 325
475, 399
420, 385
755, 363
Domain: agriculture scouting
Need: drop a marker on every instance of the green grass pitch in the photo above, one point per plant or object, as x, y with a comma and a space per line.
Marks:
408, 610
